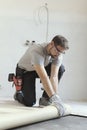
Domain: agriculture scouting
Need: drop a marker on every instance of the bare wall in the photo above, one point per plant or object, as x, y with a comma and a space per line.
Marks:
19, 22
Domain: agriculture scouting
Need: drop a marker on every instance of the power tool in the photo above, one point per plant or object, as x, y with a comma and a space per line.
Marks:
17, 81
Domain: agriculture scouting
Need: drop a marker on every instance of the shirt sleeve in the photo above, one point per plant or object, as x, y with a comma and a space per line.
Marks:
37, 59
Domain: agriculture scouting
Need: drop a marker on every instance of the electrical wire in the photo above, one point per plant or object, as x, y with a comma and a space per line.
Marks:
47, 18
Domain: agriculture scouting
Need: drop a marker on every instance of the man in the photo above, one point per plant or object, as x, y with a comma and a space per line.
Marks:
43, 61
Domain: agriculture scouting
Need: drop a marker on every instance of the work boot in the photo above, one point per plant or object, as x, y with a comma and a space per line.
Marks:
44, 101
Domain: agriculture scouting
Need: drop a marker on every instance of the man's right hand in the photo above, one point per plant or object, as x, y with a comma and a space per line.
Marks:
57, 102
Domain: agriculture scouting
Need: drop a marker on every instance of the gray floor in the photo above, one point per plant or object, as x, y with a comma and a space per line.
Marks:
64, 123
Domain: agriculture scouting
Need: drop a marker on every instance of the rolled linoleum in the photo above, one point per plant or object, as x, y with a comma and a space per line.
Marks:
13, 114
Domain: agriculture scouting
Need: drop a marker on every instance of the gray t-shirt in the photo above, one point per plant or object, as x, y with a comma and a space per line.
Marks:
37, 54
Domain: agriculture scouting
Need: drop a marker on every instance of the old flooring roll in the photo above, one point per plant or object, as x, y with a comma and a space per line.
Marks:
13, 114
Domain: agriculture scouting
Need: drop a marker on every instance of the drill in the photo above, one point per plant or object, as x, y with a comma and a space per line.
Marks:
17, 81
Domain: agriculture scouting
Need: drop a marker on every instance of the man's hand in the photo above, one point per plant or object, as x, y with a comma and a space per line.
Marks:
56, 101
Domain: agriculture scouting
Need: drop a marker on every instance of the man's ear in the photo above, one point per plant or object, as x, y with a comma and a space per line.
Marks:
52, 43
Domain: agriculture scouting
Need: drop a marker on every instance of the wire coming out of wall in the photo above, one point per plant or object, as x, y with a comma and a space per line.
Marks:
39, 13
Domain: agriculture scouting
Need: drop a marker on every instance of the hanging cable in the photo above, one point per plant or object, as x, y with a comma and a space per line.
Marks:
47, 18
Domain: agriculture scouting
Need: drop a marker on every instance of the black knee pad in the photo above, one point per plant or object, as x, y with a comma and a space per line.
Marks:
29, 103
19, 97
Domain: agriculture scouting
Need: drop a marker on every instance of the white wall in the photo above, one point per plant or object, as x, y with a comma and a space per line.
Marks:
19, 22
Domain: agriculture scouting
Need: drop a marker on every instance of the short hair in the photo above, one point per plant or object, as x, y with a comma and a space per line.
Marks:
60, 40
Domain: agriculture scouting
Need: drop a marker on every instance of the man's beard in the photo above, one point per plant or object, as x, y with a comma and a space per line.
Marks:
53, 56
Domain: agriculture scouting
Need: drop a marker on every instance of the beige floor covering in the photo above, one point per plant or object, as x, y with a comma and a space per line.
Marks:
13, 114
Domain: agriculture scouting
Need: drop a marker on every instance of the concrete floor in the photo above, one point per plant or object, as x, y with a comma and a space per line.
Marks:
64, 123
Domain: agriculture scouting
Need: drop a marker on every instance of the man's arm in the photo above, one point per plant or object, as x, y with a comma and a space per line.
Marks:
47, 83
54, 77
45, 79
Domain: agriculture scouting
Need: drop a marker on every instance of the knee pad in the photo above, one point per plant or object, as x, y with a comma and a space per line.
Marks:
19, 97
29, 103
